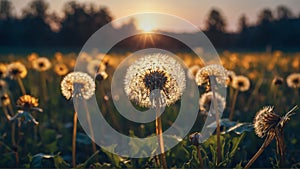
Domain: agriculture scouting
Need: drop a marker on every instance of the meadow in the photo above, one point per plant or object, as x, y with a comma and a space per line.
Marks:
43, 139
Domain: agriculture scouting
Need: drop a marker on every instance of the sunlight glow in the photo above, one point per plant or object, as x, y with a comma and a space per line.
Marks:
147, 24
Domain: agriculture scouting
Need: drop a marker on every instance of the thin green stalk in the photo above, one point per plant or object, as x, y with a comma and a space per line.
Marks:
74, 139
231, 115
90, 125
267, 141
19, 80
218, 130
44, 86
158, 126
200, 157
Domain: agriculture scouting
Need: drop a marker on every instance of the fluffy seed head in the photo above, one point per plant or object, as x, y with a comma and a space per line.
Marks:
241, 83
293, 80
16, 70
41, 64
154, 72
3, 70
61, 69
206, 100
78, 84
215, 71
277, 81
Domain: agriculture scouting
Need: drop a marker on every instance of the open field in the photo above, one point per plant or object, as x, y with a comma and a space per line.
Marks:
49, 144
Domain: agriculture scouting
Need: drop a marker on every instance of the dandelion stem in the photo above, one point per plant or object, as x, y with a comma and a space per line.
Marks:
74, 139
236, 92
267, 141
44, 86
158, 125
90, 126
218, 131
19, 80
200, 157
280, 146
8, 117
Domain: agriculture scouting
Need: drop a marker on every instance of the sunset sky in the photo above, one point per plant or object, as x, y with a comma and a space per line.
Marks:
194, 11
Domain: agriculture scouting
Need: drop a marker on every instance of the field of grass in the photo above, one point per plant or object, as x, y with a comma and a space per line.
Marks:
49, 144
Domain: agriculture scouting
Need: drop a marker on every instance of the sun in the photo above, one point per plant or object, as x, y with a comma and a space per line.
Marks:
147, 24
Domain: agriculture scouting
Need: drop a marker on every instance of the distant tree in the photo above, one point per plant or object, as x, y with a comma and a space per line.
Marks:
6, 9
215, 22
81, 21
265, 16
243, 23
36, 9
283, 12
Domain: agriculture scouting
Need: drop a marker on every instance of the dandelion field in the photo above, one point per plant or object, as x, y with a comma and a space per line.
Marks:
31, 138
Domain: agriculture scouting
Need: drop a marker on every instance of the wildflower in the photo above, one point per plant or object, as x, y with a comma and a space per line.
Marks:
207, 99
293, 80
95, 66
41, 64
101, 76
3, 86
26, 105
16, 70
195, 138
32, 57
241, 83
58, 56
5, 100
3, 70
230, 76
156, 73
77, 84
211, 71
277, 81
61, 69
192, 71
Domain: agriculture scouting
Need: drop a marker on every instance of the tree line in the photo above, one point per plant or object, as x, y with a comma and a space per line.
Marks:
38, 27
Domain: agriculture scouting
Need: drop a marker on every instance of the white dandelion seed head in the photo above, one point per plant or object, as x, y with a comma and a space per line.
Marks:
241, 83
41, 64
293, 80
151, 72
218, 71
78, 84
16, 70
206, 100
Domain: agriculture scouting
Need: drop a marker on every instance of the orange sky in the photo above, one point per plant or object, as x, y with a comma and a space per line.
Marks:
195, 11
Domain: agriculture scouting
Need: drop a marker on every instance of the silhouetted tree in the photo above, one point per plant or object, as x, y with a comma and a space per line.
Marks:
265, 16
283, 12
81, 21
215, 22
243, 23
6, 9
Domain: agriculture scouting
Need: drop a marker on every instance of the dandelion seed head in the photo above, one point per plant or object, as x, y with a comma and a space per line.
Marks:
206, 100
101, 76
277, 81
3, 71
192, 71
241, 83
154, 72
5, 100
27, 102
265, 119
32, 57
77, 84
95, 66
61, 69
41, 64
230, 76
293, 80
16, 70
211, 71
